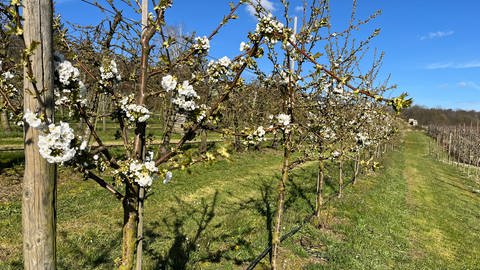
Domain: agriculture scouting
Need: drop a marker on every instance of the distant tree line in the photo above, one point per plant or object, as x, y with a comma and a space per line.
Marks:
428, 116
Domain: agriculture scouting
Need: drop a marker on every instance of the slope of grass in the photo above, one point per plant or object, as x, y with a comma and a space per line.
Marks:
419, 213
215, 216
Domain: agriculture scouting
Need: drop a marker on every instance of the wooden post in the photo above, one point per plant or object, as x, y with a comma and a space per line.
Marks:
340, 178
39, 182
140, 138
449, 146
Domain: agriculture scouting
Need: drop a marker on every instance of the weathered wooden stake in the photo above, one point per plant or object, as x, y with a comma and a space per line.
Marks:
39, 181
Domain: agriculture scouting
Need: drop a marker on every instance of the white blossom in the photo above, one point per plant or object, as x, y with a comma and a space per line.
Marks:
66, 72
338, 89
224, 61
244, 46
283, 119
362, 139
56, 146
7, 75
142, 173
32, 119
185, 96
110, 72
69, 89
83, 145
134, 112
169, 83
202, 44
270, 28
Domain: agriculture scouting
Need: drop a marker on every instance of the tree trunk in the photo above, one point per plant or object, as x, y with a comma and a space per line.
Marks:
203, 141
356, 167
39, 182
340, 178
4, 118
129, 240
238, 143
280, 203
168, 131
320, 184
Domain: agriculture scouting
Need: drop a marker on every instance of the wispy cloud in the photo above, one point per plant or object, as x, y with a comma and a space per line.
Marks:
469, 85
299, 8
438, 34
444, 65
62, 1
266, 4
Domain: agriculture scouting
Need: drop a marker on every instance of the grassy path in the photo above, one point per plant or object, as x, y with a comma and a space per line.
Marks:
420, 213
444, 212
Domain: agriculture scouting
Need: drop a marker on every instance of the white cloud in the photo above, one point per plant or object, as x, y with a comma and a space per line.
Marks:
266, 4
470, 64
438, 34
62, 1
469, 85
439, 65
299, 8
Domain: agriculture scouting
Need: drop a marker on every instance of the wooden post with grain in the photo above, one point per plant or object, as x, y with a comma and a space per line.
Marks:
38, 197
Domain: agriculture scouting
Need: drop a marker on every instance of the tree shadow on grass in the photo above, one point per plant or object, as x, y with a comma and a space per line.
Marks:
11, 160
87, 254
298, 192
186, 239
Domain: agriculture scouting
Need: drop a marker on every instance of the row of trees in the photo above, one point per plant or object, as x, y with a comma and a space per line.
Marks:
461, 142
442, 117
308, 102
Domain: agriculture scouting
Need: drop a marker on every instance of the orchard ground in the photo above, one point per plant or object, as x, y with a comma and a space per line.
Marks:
416, 212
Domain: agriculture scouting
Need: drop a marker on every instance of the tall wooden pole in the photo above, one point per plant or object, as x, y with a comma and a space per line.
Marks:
140, 149
39, 182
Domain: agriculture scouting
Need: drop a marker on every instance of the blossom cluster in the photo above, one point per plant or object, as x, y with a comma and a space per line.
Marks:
336, 154
5, 86
109, 74
283, 119
219, 69
144, 173
56, 146
69, 89
185, 96
362, 139
169, 83
244, 46
32, 119
141, 173
133, 112
286, 76
271, 29
257, 136
202, 112
202, 45
328, 134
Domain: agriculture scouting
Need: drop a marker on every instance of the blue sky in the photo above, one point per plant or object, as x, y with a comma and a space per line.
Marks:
431, 46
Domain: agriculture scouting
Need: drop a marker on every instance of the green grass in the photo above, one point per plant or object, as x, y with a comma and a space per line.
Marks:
216, 215
419, 213
416, 213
